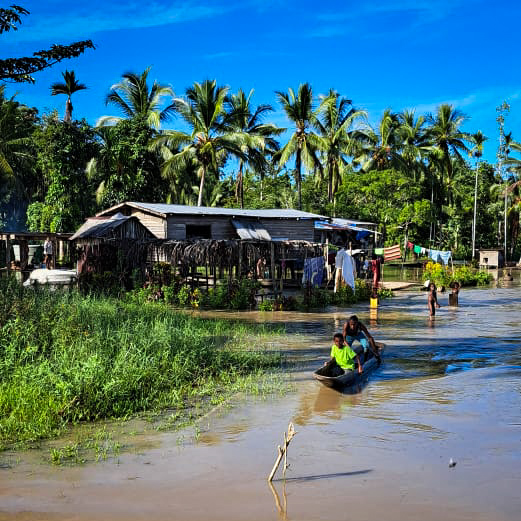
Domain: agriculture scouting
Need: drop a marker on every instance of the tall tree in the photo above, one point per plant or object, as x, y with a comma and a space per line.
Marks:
415, 144
63, 151
133, 97
303, 144
18, 179
244, 118
478, 139
125, 168
445, 133
21, 69
209, 142
382, 147
337, 139
69, 86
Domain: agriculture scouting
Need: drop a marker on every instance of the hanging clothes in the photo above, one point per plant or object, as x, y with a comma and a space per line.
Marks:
435, 255
375, 267
313, 271
392, 253
445, 256
417, 249
410, 245
346, 263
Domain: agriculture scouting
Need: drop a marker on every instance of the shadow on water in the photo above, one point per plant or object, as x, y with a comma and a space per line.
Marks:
303, 479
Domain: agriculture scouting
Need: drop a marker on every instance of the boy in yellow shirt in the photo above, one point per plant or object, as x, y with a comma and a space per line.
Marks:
344, 357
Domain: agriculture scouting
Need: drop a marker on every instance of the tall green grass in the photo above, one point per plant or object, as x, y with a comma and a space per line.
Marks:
66, 358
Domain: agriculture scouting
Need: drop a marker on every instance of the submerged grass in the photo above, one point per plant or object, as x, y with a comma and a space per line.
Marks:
66, 358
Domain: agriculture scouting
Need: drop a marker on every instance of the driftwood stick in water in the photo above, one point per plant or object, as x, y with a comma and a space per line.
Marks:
282, 452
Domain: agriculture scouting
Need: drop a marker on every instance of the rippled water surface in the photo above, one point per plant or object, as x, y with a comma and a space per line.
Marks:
448, 388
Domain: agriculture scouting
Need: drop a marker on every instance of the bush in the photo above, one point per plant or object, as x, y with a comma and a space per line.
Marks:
465, 275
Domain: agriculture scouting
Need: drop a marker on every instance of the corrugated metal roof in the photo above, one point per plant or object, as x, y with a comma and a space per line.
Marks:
252, 231
335, 225
98, 227
168, 209
350, 222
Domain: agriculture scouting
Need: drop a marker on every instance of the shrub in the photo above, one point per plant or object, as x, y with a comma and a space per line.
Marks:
465, 275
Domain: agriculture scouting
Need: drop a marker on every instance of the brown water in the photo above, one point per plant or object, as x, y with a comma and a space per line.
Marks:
448, 389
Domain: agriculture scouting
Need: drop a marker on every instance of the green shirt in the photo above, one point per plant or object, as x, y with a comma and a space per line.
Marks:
344, 357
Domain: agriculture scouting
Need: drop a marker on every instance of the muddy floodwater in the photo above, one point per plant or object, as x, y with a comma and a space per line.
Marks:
446, 390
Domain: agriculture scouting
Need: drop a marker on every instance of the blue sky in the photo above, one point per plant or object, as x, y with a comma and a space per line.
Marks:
381, 54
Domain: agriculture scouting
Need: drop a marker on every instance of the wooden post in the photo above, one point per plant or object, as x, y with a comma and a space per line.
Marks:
7, 254
273, 282
54, 253
282, 269
239, 275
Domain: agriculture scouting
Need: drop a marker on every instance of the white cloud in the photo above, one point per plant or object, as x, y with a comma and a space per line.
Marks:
77, 21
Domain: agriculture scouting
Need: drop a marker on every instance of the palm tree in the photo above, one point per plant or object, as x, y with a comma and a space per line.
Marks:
69, 87
336, 139
445, 134
478, 139
210, 141
19, 180
244, 118
415, 144
134, 98
303, 144
382, 148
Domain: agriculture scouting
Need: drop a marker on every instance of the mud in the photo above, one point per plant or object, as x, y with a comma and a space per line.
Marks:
448, 389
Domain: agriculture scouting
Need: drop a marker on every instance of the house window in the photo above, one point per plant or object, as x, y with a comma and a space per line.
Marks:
198, 231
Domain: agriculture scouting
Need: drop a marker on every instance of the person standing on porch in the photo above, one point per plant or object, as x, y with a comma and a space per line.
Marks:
48, 253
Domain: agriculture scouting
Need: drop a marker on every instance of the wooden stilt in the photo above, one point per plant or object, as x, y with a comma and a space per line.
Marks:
282, 451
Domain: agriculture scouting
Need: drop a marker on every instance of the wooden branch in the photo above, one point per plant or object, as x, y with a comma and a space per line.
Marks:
282, 452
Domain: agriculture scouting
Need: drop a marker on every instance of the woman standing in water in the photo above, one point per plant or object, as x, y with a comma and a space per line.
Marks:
432, 300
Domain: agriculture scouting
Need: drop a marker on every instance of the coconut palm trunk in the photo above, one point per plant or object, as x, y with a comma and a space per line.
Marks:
240, 184
201, 186
68, 111
298, 167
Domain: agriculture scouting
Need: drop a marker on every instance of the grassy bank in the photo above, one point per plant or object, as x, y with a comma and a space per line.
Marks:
66, 358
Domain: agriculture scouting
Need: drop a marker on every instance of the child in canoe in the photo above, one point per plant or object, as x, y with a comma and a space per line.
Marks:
343, 358
355, 330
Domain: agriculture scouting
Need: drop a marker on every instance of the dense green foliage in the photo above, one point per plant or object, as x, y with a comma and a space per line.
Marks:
444, 276
415, 175
63, 150
66, 358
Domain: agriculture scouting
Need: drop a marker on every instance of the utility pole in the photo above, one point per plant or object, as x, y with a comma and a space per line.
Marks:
502, 110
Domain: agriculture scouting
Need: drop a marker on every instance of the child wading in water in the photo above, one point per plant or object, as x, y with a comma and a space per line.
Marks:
432, 300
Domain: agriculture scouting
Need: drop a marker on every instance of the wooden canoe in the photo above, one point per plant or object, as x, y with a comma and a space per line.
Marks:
349, 377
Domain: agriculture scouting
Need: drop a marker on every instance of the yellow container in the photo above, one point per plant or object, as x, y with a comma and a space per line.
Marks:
373, 302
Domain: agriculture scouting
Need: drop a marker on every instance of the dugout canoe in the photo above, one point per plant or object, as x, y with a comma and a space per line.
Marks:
349, 377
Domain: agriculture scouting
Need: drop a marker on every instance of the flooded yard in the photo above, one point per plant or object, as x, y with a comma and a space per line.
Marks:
447, 389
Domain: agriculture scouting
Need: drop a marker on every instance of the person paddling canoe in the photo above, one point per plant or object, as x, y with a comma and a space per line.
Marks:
355, 330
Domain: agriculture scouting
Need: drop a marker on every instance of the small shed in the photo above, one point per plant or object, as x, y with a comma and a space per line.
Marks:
96, 230
112, 243
491, 258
